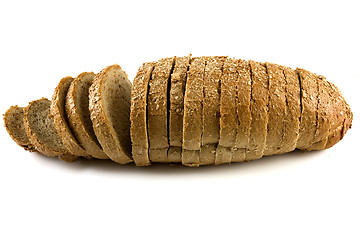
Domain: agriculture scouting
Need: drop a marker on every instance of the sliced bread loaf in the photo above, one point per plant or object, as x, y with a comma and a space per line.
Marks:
78, 114
57, 112
109, 104
14, 124
41, 131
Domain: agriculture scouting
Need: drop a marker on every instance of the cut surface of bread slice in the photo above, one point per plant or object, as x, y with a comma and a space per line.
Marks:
259, 110
57, 112
157, 114
139, 129
192, 127
14, 124
293, 109
228, 115
308, 119
78, 115
277, 109
243, 99
41, 131
109, 104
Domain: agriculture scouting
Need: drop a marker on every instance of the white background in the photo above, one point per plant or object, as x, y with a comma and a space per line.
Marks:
301, 195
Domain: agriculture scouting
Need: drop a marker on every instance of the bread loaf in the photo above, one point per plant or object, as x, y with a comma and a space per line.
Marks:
193, 110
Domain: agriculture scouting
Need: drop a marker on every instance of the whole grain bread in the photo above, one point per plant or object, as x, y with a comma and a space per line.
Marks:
109, 104
259, 110
14, 124
57, 112
78, 115
41, 131
139, 101
157, 110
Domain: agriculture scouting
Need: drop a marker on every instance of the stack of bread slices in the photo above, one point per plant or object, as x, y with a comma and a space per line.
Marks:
190, 110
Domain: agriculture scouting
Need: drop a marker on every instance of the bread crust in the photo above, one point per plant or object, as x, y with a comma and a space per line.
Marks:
104, 130
277, 109
57, 112
157, 115
308, 119
40, 145
17, 113
192, 127
138, 119
259, 110
86, 137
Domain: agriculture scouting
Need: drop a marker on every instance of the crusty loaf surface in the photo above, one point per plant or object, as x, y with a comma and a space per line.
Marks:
109, 104
14, 124
139, 129
193, 99
157, 115
41, 131
259, 110
277, 109
78, 114
57, 112
293, 110
176, 108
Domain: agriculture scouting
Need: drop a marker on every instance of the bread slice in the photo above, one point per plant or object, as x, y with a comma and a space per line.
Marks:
293, 109
277, 109
176, 108
228, 115
109, 104
192, 127
139, 129
41, 131
157, 115
308, 119
243, 91
259, 110
14, 124
78, 114
57, 112
207, 154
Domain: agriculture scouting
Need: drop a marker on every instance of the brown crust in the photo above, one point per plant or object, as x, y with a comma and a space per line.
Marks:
259, 110
139, 129
26, 144
102, 127
277, 109
40, 146
57, 112
292, 116
207, 154
157, 115
88, 142
192, 127
308, 119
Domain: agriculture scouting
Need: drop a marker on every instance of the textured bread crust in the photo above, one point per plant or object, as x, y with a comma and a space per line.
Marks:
277, 109
157, 115
14, 124
39, 111
109, 99
57, 112
192, 127
139, 129
207, 154
78, 114
308, 119
259, 110
243, 91
211, 102
293, 109
228, 115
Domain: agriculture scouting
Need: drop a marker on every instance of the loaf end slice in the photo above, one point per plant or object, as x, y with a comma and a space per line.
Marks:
109, 104
41, 131
14, 124
57, 112
78, 115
